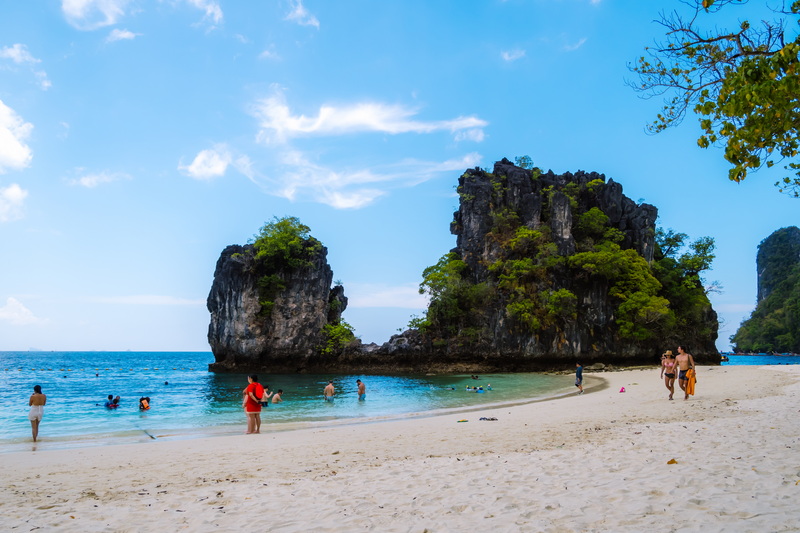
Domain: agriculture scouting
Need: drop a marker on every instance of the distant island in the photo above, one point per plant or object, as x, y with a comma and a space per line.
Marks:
547, 269
774, 325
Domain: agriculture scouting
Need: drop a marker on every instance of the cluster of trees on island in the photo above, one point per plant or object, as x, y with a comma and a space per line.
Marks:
650, 299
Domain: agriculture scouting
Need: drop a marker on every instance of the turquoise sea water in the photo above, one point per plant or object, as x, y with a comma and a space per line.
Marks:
188, 400
762, 359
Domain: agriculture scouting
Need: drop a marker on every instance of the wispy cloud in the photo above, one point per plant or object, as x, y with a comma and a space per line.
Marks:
12, 202
17, 314
121, 35
297, 177
19, 54
269, 53
14, 153
91, 181
213, 13
300, 15
512, 55
362, 295
208, 164
93, 14
574, 46
88, 15
150, 299
279, 124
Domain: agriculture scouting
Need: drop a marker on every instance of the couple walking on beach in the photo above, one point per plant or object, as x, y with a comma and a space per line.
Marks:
687, 374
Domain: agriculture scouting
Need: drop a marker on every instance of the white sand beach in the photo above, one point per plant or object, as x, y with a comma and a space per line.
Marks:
595, 462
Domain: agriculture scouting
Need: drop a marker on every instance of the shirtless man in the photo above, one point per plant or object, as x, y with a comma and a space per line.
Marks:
684, 361
278, 396
362, 390
329, 392
36, 402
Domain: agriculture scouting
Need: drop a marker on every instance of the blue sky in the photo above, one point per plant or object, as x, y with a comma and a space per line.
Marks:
138, 138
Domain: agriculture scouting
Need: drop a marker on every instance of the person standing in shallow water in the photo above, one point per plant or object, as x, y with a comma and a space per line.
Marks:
329, 392
252, 404
362, 390
36, 403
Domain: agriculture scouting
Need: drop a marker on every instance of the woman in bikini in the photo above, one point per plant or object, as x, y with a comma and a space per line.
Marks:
668, 371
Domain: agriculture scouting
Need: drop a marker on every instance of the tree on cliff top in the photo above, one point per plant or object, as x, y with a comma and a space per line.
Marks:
744, 85
285, 242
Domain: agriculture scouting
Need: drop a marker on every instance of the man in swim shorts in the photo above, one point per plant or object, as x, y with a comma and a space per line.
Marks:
36, 402
329, 392
684, 361
362, 390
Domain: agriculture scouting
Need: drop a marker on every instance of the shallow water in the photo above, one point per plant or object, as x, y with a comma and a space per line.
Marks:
762, 359
186, 399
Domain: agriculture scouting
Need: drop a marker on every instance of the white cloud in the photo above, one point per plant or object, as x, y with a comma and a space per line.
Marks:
150, 299
121, 35
301, 179
17, 314
19, 54
269, 53
300, 15
209, 164
93, 14
91, 181
474, 135
12, 200
575, 46
360, 295
298, 175
213, 13
278, 124
14, 153
512, 55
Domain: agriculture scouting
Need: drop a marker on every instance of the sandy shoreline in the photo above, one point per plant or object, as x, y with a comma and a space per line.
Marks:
596, 462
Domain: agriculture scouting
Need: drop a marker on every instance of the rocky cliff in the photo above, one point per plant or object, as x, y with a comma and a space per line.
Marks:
774, 325
272, 316
547, 269
552, 268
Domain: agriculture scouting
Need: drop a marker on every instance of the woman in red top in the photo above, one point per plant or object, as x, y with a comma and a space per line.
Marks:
252, 404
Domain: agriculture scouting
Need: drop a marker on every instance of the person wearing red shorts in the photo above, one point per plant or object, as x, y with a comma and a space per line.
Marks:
252, 403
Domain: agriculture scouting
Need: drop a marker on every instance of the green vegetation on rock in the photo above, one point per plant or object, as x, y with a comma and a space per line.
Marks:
537, 288
337, 337
774, 326
282, 244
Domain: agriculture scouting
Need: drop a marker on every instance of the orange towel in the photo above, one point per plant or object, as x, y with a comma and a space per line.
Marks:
691, 380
